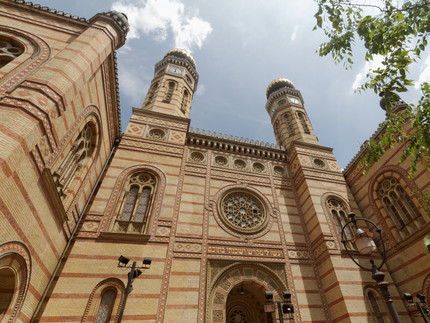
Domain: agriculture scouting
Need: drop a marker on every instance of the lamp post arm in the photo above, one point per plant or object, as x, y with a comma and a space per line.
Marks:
127, 290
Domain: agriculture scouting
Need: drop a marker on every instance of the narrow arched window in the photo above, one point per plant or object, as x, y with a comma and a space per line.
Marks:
339, 215
81, 150
151, 93
106, 305
184, 101
303, 122
376, 306
169, 92
399, 207
288, 121
136, 204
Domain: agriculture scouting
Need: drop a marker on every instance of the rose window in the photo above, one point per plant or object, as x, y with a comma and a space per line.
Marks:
243, 211
318, 163
8, 51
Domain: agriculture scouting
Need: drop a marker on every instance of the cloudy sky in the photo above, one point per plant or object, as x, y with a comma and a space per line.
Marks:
240, 46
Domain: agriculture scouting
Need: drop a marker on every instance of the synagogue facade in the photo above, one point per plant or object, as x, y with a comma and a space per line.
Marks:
224, 219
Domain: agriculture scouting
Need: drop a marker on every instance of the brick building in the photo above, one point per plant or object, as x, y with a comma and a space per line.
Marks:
223, 219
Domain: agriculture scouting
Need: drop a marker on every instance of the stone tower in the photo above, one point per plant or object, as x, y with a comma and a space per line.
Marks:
172, 88
289, 118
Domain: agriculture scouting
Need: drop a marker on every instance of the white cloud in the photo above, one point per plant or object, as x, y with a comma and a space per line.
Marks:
159, 18
366, 70
294, 34
425, 73
201, 90
132, 85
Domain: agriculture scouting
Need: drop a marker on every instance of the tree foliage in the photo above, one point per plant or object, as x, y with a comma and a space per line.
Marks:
398, 35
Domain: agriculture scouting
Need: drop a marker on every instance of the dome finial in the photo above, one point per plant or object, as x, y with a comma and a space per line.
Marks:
182, 54
278, 84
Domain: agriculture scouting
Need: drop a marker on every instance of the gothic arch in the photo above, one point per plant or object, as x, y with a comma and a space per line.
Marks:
230, 276
15, 265
376, 305
384, 219
116, 194
88, 117
36, 52
329, 217
270, 212
95, 298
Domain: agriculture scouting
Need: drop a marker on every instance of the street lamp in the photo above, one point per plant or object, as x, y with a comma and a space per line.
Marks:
415, 308
285, 307
132, 275
363, 240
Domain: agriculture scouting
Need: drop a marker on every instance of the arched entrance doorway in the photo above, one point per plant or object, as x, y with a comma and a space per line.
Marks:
245, 303
236, 291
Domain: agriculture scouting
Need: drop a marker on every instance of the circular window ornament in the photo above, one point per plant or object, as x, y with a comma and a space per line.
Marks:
278, 170
239, 163
156, 134
197, 156
258, 167
243, 211
220, 160
318, 163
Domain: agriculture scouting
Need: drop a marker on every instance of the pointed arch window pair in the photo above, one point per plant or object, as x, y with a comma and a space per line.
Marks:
339, 213
136, 204
399, 206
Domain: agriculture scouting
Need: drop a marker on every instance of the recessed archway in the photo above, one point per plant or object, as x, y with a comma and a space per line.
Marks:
7, 290
237, 293
245, 303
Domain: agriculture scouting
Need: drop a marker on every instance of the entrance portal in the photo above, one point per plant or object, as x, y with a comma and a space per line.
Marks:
245, 303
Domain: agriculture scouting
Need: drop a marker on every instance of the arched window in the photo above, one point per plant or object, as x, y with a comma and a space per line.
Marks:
13, 285
136, 204
288, 121
303, 122
106, 306
184, 101
339, 213
104, 302
377, 308
9, 50
169, 92
399, 207
151, 93
81, 150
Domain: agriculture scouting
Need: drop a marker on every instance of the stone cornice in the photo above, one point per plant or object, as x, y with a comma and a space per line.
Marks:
235, 145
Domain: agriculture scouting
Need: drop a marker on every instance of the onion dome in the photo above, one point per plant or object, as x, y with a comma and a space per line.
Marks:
180, 53
278, 84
